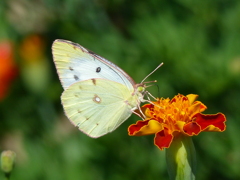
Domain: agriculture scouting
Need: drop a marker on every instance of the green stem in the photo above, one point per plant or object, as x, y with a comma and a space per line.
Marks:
181, 158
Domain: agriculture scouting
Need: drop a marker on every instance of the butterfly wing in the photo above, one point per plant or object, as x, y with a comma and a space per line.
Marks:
98, 106
75, 63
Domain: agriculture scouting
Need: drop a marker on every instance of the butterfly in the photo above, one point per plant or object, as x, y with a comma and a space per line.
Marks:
98, 95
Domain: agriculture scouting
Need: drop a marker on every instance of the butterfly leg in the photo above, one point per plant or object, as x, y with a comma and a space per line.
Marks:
139, 115
148, 93
148, 100
143, 115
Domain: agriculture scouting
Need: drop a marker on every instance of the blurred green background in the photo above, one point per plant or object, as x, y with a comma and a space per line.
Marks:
198, 41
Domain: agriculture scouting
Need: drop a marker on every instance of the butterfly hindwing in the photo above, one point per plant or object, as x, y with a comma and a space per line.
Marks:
98, 106
75, 63
98, 95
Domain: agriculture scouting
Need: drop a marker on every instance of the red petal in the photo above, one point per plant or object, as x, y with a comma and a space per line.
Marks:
216, 120
148, 106
134, 128
163, 139
146, 127
192, 128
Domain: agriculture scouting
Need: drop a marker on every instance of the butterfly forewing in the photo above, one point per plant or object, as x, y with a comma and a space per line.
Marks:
75, 63
98, 95
98, 106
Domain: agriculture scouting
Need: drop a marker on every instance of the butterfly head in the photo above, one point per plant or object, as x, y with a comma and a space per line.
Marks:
141, 87
139, 90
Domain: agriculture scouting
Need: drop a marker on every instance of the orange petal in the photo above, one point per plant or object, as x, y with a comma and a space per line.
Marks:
178, 97
147, 109
163, 139
197, 107
146, 127
201, 107
179, 126
192, 98
213, 122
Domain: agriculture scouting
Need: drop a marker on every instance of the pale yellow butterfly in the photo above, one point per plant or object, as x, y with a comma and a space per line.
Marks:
98, 96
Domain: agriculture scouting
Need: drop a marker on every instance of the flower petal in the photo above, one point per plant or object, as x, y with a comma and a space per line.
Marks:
192, 98
197, 107
167, 118
213, 122
144, 128
179, 126
192, 128
178, 98
163, 139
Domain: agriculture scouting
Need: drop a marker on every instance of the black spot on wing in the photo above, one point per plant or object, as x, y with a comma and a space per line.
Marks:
70, 68
76, 77
98, 69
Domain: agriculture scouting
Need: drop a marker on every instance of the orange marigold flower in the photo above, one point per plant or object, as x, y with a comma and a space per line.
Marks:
167, 118
8, 68
32, 49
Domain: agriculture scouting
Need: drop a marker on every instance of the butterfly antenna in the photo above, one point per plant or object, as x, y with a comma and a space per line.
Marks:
150, 82
152, 72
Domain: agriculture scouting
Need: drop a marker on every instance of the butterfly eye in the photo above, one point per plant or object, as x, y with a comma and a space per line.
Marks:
98, 69
140, 88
